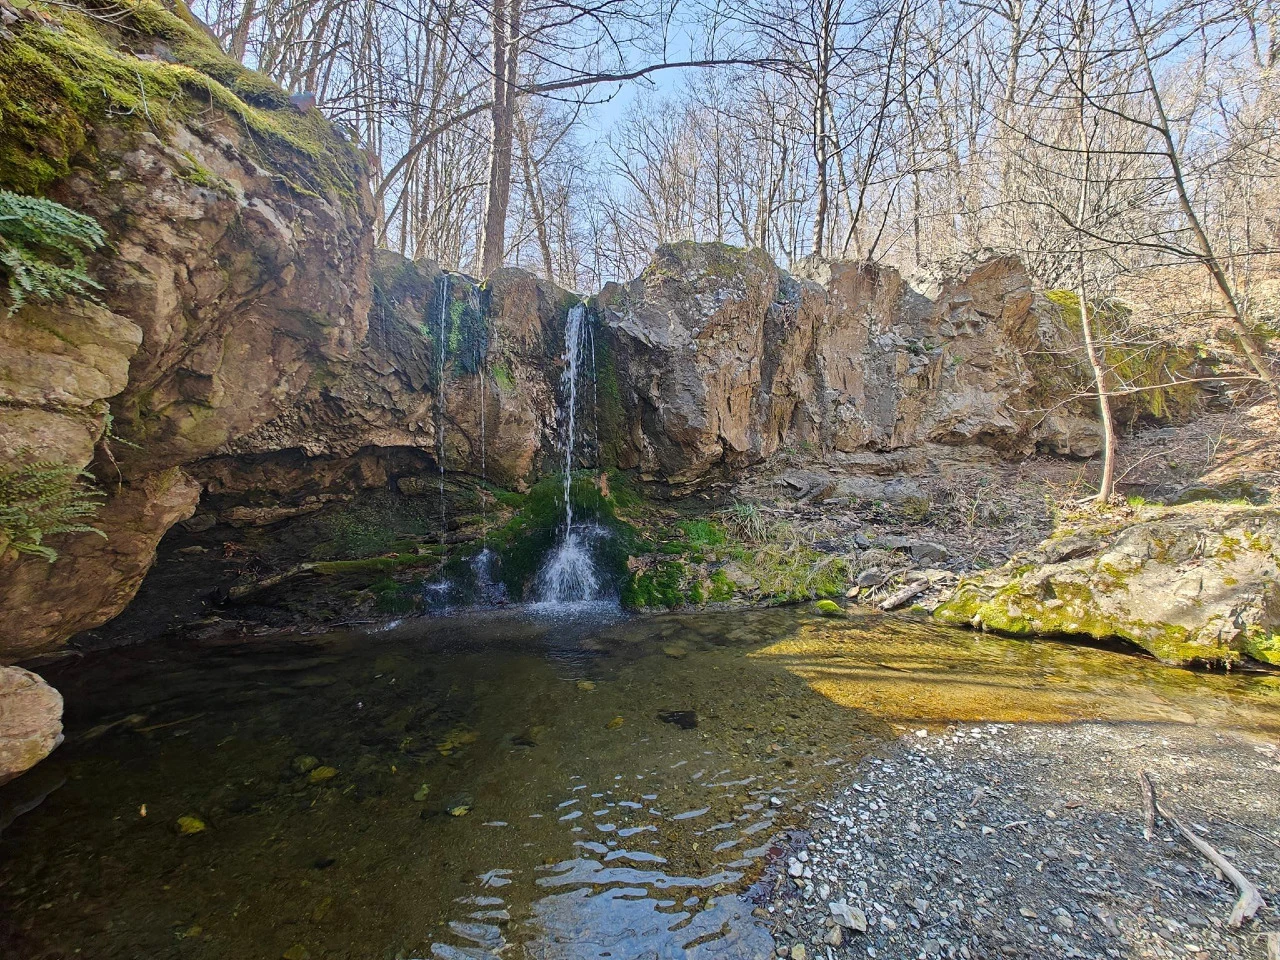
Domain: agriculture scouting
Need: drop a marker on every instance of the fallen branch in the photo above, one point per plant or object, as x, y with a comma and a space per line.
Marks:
897, 599
240, 591
1250, 900
1149, 805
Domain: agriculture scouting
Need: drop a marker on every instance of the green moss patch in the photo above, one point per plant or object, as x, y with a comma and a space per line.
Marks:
135, 65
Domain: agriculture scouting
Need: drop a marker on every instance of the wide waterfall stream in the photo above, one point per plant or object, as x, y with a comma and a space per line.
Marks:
457, 785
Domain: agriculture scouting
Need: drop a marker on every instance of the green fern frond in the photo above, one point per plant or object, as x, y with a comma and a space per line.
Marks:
43, 499
42, 249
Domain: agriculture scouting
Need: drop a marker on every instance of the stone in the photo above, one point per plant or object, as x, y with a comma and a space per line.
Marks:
684, 719
873, 577
296, 952
304, 764
615, 723
926, 551
851, 918
799, 952
1190, 583
421, 793
321, 774
829, 608
675, 651
190, 824
30, 721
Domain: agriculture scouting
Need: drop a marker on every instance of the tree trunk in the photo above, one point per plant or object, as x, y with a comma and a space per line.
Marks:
537, 202
240, 36
1106, 485
506, 34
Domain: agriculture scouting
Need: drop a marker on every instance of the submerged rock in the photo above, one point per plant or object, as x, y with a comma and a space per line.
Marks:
190, 824
829, 608
1194, 583
30, 721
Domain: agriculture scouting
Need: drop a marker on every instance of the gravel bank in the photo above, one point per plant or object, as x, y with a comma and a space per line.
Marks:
991, 841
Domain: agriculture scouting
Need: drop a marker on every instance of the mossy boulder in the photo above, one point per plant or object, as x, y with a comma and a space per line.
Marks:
1195, 583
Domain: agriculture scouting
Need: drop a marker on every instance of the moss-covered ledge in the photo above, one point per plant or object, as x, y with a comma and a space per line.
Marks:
1194, 583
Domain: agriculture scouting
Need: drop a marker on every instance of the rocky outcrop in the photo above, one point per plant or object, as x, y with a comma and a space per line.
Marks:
1199, 582
501, 344
721, 360
30, 721
235, 275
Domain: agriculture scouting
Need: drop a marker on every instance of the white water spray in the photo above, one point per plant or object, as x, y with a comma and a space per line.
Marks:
569, 575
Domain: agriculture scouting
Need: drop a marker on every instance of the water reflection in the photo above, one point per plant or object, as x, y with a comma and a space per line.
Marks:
465, 786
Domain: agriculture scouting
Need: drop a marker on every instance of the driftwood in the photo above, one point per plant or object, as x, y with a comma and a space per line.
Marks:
899, 597
240, 591
1149, 806
1250, 900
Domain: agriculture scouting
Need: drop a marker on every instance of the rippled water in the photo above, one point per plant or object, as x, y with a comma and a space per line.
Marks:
509, 783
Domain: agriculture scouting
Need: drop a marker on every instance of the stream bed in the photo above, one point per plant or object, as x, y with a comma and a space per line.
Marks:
531, 781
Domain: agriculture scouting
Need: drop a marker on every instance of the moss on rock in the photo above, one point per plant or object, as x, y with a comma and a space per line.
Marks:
135, 65
1186, 584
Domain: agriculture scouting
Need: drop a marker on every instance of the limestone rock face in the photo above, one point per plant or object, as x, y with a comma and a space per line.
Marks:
721, 360
235, 274
1196, 582
30, 721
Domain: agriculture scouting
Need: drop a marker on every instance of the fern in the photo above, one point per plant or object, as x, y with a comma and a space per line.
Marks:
42, 499
42, 249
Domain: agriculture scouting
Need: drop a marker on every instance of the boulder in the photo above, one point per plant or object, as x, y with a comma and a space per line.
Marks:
30, 721
1195, 583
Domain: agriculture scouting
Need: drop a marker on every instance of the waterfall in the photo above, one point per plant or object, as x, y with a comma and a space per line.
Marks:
440, 412
482, 374
569, 575
569, 386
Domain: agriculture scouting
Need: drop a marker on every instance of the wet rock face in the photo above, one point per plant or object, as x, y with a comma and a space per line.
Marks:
721, 360
1197, 582
502, 344
30, 721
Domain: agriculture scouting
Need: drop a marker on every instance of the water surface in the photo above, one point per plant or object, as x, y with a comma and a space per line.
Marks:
517, 782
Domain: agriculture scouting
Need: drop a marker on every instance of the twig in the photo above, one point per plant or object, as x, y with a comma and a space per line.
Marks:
1250, 900
1149, 805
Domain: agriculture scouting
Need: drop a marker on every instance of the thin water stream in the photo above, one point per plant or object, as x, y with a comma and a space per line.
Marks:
491, 783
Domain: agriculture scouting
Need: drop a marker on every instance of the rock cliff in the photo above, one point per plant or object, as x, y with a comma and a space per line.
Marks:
235, 273
247, 342
721, 360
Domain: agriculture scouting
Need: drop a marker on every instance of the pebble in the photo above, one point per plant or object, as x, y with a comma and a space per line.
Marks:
1036, 852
